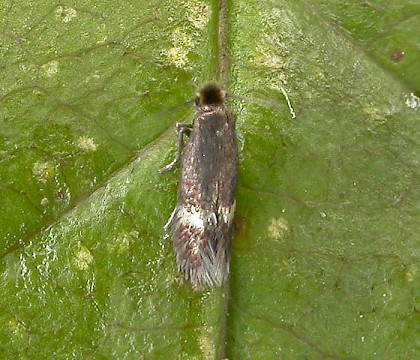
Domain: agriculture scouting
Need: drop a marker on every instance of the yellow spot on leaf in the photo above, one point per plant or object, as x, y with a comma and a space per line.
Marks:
412, 272
198, 13
278, 228
65, 13
374, 114
182, 44
43, 171
49, 69
121, 244
86, 144
206, 342
83, 258
16, 327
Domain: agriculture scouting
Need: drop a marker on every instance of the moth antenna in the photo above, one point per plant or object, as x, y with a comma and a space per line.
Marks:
173, 108
266, 102
289, 104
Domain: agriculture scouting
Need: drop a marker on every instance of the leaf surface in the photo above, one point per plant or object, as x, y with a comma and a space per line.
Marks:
325, 261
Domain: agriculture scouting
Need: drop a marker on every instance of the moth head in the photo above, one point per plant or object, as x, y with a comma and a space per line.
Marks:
211, 94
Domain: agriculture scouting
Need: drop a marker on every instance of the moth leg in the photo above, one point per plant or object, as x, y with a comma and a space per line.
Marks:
181, 129
170, 221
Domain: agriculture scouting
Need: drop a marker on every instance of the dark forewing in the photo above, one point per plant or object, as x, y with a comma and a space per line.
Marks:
202, 220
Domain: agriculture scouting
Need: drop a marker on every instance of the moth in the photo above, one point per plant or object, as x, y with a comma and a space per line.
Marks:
201, 223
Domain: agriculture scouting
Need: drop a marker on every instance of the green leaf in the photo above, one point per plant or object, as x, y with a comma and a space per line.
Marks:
325, 260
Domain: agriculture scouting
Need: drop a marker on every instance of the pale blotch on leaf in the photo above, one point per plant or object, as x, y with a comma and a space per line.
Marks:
412, 101
412, 272
278, 228
265, 56
206, 342
85, 143
374, 114
289, 267
50, 68
102, 41
16, 327
198, 13
121, 244
43, 171
182, 44
83, 258
272, 49
24, 272
176, 56
186, 37
65, 13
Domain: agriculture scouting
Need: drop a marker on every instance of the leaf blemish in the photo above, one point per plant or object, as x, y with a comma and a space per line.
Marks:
271, 50
397, 56
374, 114
65, 13
24, 271
411, 272
412, 101
83, 258
186, 37
278, 228
49, 69
16, 327
205, 343
121, 244
198, 13
43, 171
182, 44
87, 144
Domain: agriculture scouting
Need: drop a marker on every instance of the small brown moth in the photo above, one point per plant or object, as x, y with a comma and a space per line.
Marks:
201, 223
